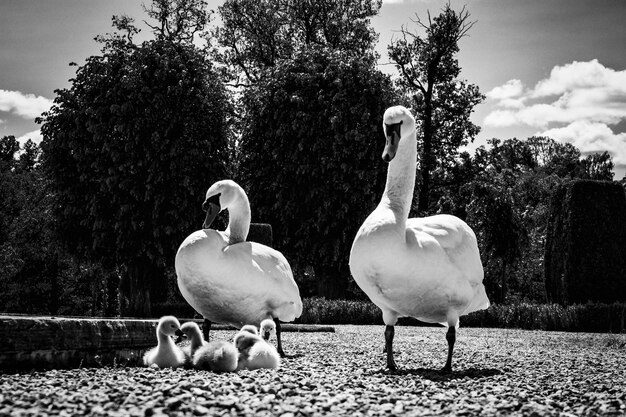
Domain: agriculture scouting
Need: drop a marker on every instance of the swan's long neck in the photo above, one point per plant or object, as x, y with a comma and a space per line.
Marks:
238, 220
164, 341
398, 192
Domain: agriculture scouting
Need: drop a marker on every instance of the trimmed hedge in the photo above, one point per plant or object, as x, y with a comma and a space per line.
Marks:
552, 317
585, 255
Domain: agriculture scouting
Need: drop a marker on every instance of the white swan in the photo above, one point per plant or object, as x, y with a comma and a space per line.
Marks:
166, 354
428, 268
196, 341
255, 353
217, 356
267, 329
229, 280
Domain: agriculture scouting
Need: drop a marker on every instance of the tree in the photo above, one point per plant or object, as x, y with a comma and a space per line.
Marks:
443, 103
258, 34
598, 166
130, 148
311, 159
503, 192
9, 146
311, 105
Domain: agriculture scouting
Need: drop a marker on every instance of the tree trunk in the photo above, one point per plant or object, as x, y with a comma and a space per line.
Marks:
427, 163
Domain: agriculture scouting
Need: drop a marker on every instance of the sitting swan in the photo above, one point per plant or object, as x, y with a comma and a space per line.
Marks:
251, 328
428, 268
255, 353
217, 356
192, 330
229, 280
166, 354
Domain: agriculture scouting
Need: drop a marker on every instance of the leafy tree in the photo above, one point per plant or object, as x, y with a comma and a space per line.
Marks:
598, 166
9, 146
503, 192
312, 105
258, 34
429, 74
130, 148
311, 161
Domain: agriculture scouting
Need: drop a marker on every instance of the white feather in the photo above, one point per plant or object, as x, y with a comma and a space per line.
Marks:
229, 280
166, 354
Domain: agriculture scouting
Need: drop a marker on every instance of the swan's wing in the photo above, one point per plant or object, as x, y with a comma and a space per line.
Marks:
282, 293
457, 240
238, 284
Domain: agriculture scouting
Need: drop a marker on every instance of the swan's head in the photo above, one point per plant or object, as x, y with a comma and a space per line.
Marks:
169, 326
244, 341
250, 329
268, 329
192, 331
220, 196
398, 122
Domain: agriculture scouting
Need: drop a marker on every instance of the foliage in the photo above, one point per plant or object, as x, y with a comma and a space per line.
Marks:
310, 158
37, 276
586, 243
311, 111
259, 35
441, 101
503, 192
590, 317
129, 148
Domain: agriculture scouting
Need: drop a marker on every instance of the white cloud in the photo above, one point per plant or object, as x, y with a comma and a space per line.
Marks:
510, 89
35, 136
580, 76
591, 137
580, 91
27, 106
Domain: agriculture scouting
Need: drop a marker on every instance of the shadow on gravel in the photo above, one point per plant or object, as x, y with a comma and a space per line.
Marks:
438, 375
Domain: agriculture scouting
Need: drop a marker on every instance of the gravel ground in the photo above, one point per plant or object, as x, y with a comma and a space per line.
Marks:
496, 372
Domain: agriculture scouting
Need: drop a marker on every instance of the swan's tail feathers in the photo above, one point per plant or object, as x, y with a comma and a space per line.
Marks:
480, 300
289, 311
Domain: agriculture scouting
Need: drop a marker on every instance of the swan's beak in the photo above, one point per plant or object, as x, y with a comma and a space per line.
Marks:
266, 335
392, 133
180, 336
212, 208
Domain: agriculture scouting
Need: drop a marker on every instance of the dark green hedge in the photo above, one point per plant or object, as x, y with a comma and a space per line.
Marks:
585, 257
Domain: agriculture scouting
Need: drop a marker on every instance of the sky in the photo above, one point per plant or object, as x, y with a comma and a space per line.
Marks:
547, 67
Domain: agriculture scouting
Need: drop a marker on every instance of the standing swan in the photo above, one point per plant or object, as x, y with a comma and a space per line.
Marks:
229, 280
428, 268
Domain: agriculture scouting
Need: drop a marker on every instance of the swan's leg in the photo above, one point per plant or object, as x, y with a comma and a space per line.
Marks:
451, 338
206, 327
279, 346
389, 332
